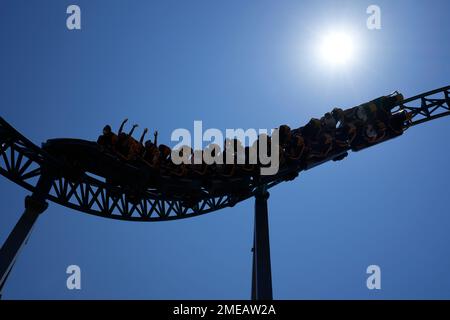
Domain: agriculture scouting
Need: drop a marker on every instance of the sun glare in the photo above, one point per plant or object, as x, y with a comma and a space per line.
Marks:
337, 48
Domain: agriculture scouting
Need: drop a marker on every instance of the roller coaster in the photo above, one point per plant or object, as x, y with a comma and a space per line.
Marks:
95, 179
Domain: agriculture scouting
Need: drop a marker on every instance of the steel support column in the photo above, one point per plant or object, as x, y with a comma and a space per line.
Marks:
261, 273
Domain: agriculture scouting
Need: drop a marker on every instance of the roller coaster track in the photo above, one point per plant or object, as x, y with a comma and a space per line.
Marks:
22, 162
53, 176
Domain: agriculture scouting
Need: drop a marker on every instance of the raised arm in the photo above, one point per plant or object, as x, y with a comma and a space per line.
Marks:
141, 140
132, 129
121, 126
156, 138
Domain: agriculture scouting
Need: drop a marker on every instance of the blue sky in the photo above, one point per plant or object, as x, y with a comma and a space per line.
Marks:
233, 64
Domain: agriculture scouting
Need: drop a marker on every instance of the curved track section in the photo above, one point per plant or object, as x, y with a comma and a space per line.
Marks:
23, 162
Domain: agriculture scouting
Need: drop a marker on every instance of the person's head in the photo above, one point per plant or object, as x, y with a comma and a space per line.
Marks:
361, 113
122, 137
337, 114
285, 133
299, 140
148, 144
370, 131
107, 129
381, 126
327, 138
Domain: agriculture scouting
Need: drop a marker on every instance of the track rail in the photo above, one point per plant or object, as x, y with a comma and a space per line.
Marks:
23, 162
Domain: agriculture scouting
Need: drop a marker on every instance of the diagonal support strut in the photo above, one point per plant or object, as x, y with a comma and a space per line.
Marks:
34, 206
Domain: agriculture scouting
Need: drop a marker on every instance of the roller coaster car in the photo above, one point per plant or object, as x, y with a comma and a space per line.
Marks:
389, 102
238, 186
394, 128
134, 176
88, 157
379, 108
177, 187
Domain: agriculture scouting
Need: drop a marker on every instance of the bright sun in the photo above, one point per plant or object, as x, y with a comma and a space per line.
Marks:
337, 48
